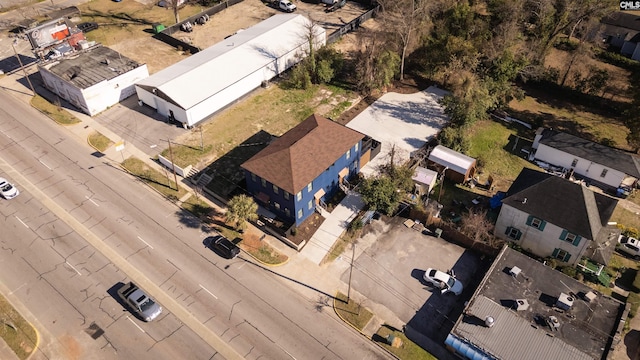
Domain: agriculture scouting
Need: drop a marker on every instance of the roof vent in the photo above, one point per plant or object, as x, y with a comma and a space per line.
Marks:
106, 61
515, 271
564, 301
524, 201
522, 304
590, 296
489, 321
553, 322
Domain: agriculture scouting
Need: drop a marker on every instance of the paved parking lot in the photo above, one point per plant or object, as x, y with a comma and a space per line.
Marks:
390, 273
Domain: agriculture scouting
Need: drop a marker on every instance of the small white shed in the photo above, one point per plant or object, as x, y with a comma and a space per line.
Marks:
459, 167
424, 180
204, 83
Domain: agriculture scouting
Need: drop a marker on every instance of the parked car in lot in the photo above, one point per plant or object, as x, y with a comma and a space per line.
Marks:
223, 246
7, 189
629, 246
443, 281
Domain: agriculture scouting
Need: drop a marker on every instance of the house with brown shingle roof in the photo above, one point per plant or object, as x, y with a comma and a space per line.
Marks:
303, 168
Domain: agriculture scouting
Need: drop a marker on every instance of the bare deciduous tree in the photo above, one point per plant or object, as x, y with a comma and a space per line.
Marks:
408, 20
477, 226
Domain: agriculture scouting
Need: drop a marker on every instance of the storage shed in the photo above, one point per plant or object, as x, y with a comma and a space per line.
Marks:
206, 82
424, 180
93, 79
457, 167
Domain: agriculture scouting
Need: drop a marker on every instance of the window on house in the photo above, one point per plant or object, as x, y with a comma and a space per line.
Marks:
356, 146
513, 233
310, 205
264, 182
253, 177
561, 255
574, 163
536, 223
604, 173
569, 237
277, 206
299, 213
348, 154
310, 187
286, 195
299, 196
287, 212
276, 189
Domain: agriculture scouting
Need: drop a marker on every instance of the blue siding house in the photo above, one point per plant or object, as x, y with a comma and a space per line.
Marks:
303, 168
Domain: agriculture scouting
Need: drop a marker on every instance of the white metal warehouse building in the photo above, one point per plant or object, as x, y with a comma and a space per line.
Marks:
197, 87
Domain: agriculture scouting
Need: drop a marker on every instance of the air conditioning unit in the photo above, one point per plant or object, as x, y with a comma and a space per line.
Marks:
565, 301
515, 271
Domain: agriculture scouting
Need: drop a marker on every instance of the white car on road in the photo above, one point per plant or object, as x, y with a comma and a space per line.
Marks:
7, 189
443, 281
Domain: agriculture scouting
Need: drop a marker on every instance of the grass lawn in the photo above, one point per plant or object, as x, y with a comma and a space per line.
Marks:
55, 112
274, 110
407, 351
575, 120
351, 312
491, 144
19, 335
157, 180
625, 217
99, 141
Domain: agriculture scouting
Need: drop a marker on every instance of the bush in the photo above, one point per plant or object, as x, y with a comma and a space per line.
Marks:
636, 283
634, 301
569, 271
566, 44
618, 60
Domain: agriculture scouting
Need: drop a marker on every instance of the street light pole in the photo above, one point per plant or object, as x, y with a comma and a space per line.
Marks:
15, 41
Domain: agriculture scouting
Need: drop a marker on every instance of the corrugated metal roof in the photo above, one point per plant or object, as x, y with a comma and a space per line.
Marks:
512, 337
454, 160
212, 70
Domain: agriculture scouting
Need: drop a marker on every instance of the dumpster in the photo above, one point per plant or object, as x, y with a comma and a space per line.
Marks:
157, 28
438, 232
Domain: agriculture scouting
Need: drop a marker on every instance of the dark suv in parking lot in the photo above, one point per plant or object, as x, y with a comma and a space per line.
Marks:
223, 246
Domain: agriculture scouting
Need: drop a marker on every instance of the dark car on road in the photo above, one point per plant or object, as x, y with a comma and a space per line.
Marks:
223, 246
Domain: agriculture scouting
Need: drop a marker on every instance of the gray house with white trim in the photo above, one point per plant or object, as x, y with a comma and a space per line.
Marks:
553, 217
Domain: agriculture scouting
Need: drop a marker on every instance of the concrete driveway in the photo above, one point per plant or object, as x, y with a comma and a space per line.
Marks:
390, 272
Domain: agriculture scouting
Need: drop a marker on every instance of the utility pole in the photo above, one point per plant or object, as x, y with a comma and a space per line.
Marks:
353, 255
442, 183
173, 165
15, 41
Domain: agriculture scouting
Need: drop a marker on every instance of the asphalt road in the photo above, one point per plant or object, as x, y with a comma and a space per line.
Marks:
82, 225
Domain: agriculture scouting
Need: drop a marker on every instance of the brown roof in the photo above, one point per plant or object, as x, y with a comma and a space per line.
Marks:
302, 153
